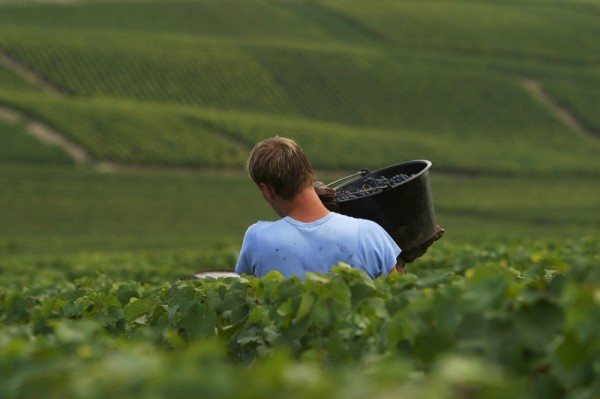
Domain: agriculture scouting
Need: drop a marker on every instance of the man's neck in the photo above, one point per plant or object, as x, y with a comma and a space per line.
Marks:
305, 207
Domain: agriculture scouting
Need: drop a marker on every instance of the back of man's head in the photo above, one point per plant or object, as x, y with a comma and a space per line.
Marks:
280, 163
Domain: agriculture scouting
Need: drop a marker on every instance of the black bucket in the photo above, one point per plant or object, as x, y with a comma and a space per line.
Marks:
404, 210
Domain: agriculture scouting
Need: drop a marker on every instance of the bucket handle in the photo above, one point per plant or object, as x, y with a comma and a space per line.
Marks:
360, 173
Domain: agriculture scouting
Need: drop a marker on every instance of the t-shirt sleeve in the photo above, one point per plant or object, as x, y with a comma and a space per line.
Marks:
379, 251
245, 264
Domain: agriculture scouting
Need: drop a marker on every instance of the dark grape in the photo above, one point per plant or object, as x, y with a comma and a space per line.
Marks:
371, 185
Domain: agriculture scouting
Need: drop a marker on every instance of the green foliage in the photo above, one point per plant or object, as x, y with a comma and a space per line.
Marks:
499, 321
498, 30
237, 19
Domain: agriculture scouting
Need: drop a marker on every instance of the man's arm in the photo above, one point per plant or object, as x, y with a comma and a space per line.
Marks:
243, 266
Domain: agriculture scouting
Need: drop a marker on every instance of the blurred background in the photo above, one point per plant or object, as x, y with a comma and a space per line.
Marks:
125, 125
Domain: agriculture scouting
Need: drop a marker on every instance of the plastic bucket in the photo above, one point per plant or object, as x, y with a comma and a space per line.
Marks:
404, 210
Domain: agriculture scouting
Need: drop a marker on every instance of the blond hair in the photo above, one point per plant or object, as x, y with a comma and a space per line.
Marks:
280, 163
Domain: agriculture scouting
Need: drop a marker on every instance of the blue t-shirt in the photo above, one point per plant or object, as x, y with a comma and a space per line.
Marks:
294, 248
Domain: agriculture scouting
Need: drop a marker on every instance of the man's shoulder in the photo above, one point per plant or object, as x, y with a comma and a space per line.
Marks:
365, 228
263, 225
363, 223
342, 217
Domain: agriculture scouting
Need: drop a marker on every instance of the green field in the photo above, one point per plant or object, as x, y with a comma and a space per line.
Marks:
171, 211
446, 94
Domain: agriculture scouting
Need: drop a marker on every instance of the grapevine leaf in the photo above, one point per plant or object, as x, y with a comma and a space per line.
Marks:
135, 309
306, 302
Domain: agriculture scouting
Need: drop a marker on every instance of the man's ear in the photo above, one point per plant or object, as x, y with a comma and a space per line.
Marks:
267, 191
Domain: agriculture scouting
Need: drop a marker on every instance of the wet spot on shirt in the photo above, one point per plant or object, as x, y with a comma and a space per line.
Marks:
342, 248
284, 258
277, 249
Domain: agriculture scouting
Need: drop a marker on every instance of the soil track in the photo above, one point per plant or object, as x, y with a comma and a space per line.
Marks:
536, 89
46, 135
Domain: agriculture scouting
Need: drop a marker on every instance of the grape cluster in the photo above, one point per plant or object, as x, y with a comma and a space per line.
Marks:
371, 185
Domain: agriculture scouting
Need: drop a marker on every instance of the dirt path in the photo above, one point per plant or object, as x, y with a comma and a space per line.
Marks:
39, 130
536, 89
46, 135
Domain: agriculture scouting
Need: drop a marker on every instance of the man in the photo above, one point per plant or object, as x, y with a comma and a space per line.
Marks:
308, 237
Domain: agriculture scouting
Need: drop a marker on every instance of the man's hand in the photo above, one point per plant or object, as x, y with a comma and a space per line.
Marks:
326, 194
399, 268
411, 254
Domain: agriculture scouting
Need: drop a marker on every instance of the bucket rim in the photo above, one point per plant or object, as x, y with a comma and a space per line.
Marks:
416, 161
